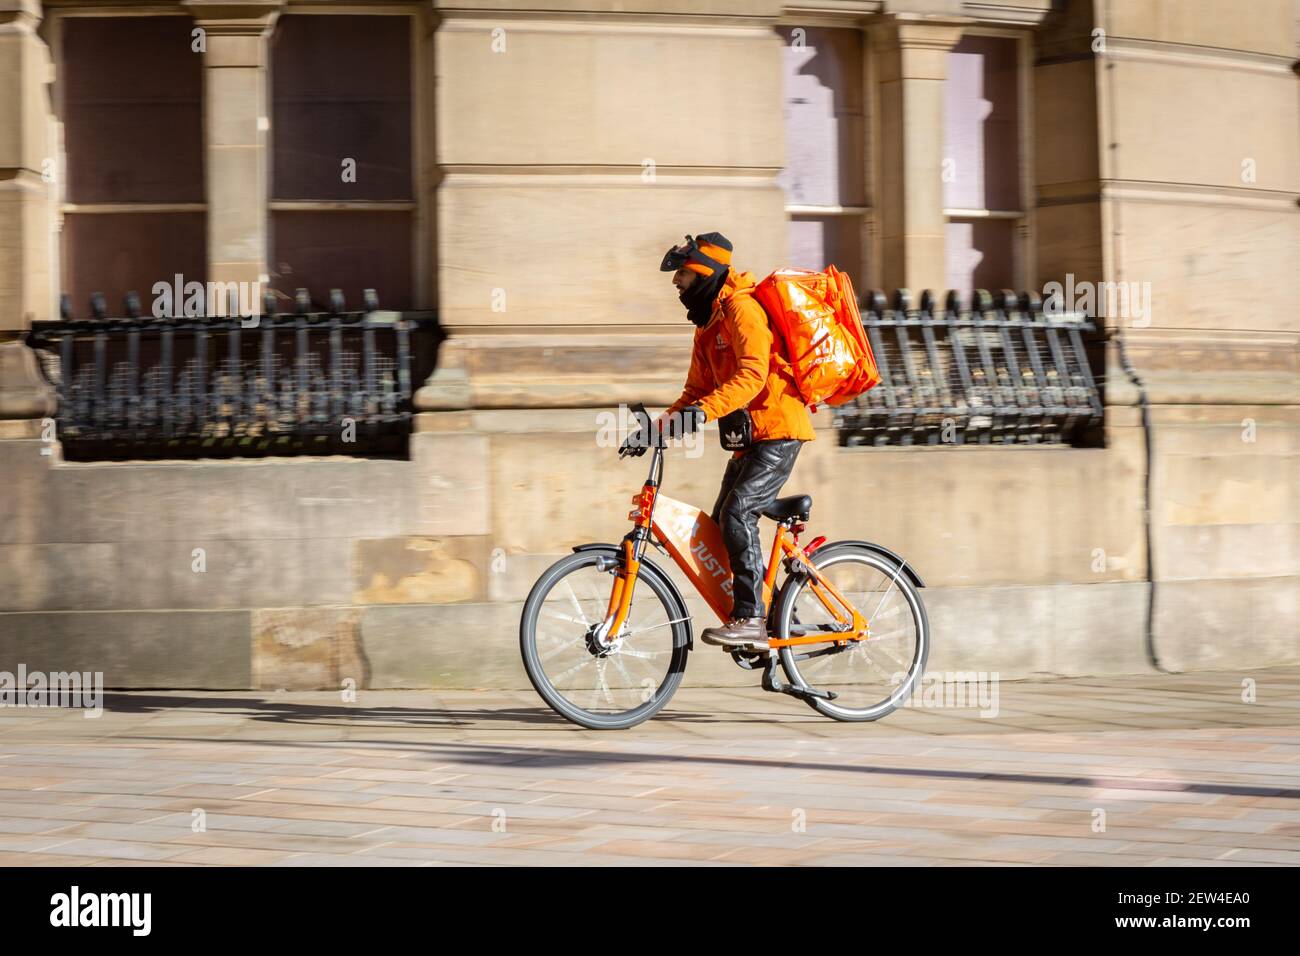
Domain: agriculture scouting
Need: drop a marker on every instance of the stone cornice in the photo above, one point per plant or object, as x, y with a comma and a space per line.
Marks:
234, 17
20, 15
911, 31
1028, 13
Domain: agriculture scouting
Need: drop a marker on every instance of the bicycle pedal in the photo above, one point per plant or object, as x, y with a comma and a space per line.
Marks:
751, 663
744, 649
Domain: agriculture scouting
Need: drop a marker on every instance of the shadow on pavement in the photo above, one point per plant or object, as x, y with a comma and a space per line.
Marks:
286, 711
357, 717
541, 758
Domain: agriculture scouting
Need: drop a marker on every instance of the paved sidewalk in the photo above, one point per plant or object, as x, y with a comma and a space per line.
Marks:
1171, 770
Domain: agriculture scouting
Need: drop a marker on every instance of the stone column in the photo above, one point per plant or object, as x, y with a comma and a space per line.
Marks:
26, 184
910, 51
26, 168
236, 123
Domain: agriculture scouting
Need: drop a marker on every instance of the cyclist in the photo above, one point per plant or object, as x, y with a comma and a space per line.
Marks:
740, 377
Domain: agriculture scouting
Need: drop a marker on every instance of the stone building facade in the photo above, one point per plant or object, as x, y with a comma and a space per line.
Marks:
524, 166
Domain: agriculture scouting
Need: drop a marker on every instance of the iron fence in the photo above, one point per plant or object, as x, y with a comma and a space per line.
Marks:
1002, 371
333, 382
338, 382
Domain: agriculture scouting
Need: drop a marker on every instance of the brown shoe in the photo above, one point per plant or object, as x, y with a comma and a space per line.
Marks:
738, 632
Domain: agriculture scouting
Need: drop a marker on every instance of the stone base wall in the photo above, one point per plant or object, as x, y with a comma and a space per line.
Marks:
305, 573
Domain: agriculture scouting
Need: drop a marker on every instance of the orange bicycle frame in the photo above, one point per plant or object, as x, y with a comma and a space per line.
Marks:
694, 541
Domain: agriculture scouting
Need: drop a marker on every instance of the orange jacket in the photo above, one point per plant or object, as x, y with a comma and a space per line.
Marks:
738, 363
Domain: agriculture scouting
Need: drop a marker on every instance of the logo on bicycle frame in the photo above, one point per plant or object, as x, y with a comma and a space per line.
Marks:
682, 528
712, 565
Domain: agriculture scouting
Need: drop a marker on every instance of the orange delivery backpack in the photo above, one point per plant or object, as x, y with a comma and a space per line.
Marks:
816, 314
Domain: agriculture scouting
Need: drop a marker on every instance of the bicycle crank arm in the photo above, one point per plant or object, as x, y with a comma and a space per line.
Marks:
749, 660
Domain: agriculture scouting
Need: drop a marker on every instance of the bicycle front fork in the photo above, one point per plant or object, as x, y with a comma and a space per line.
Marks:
620, 596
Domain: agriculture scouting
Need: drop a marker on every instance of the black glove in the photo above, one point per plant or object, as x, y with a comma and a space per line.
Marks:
637, 442
686, 422
634, 445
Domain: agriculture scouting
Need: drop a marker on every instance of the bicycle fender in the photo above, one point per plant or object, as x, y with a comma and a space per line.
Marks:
648, 565
884, 552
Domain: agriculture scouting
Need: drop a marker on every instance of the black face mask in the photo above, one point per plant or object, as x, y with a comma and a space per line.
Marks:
699, 296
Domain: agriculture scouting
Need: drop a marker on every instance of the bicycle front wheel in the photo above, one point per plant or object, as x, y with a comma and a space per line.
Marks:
603, 687
870, 677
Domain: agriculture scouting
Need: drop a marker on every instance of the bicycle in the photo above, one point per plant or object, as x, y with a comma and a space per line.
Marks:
606, 663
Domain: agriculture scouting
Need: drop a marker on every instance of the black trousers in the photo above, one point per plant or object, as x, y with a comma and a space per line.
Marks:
750, 484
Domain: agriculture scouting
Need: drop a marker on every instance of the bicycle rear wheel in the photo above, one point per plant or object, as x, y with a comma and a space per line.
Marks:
603, 688
870, 677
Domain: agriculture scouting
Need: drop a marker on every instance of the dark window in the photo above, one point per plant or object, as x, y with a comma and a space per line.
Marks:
342, 186
116, 253
132, 110
132, 91
349, 250
341, 91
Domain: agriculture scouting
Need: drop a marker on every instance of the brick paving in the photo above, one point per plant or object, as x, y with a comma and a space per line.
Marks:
1184, 770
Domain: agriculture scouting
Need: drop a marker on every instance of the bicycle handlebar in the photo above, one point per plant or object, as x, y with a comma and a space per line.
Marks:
646, 427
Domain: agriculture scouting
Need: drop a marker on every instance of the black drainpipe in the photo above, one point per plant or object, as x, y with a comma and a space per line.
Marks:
1145, 412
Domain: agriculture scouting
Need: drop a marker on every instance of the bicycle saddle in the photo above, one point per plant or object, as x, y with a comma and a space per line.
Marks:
792, 506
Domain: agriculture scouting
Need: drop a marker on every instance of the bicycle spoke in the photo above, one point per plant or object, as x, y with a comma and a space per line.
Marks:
573, 670
651, 627
864, 674
576, 605
871, 653
602, 686
897, 573
642, 655
881, 637
631, 681
868, 657
556, 616
557, 650
624, 677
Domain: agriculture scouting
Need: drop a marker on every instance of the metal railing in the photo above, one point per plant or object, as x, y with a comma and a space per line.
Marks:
339, 382
333, 382
1002, 371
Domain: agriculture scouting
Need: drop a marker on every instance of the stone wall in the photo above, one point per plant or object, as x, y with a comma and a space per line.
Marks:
413, 573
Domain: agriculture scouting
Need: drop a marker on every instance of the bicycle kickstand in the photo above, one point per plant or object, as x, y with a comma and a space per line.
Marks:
774, 684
